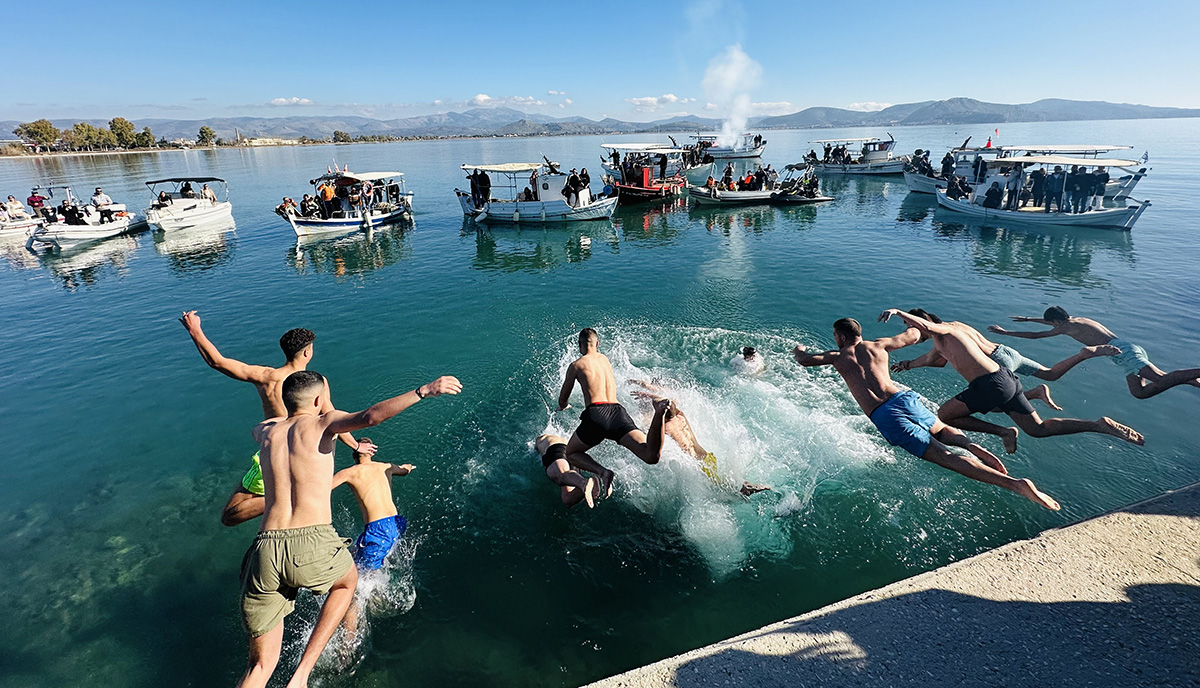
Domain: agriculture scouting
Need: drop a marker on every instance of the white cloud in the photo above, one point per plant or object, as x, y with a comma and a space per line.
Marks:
710, 106
869, 106
484, 100
652, 103
552, 92
279, 102
779, 107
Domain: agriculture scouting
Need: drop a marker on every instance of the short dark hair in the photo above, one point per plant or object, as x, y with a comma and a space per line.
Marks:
848, 327
922, 313
294, 340
587, 334
748, 351
1056, 314
298, 386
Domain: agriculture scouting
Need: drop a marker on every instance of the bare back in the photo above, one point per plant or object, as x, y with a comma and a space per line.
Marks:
986, 345
864, 367
371, 483
595, 376
962, 352
270, 392
296, 455
679, 429
1086, 331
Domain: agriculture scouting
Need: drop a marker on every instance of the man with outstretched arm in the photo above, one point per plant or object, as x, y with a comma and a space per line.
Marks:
901, 417
1143, 377
1008, 357
603, 417
996, 388
246, 502
296, 546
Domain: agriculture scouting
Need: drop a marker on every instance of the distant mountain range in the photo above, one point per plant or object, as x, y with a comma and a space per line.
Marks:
509, 122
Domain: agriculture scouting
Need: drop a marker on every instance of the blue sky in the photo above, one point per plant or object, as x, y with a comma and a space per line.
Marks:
630, 60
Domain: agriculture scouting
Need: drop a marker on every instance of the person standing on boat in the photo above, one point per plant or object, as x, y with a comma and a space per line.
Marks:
727, 177
1055, 183
37, 203
1082, 196
584, 195
102, 202
1037, 180
1099, 181
572, 188
485, 188
1016, 182
828, 150
947, 165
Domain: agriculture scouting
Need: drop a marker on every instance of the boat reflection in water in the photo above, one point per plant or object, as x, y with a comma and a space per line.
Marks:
653, 221
197, 248
88, 264
752, 218
1040, 254
356, 253
538, 248
916, 207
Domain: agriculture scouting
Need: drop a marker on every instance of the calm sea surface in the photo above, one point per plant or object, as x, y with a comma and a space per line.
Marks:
123, 445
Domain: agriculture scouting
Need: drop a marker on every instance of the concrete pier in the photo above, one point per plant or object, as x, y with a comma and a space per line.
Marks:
1111, 601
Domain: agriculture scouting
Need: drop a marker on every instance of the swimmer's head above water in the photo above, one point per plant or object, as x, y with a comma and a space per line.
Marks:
749, 352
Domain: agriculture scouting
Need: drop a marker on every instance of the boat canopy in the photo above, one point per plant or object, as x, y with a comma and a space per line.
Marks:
869, 138
712, 137
508, 167
370, 176
1061, 160
178, 180
640, 147
1082, 150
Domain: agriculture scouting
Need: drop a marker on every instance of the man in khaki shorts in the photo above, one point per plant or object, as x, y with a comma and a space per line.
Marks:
296, 546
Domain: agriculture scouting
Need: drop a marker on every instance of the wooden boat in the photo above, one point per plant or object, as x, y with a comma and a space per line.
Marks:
544, 202
743, 146
650, 188
367, 199
875, 157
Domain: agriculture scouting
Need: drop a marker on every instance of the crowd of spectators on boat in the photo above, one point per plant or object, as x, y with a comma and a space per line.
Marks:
761, 179
1074, 191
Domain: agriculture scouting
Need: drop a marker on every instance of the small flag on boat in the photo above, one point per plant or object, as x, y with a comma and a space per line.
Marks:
328, 169
1145, 157
997, 132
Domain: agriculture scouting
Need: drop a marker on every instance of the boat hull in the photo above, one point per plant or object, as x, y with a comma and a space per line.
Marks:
60, 235
726, 153
179, 215
695, 175
703, 196
536, 211
893, 166
919, 183
315, 226
1114, 218
19, 227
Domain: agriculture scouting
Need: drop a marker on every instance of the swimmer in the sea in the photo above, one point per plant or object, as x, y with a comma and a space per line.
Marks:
748, 361
247, 502
899, 414
575, 487
678, 428
603, 417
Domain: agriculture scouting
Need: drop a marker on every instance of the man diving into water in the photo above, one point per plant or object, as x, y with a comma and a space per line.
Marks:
246, 502
575, 487
1008, 357
996, 388
296, 546
1143, 377
603, 417
677, 427
901, 417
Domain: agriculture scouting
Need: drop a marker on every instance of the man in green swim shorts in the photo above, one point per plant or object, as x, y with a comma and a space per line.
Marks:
1144, 378
246, 502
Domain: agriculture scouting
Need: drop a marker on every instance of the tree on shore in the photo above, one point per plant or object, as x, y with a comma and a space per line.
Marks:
41, 132
341, 137
123, 130
144, 139
206, 136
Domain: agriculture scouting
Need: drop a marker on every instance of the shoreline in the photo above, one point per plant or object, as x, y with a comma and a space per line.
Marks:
1110, 600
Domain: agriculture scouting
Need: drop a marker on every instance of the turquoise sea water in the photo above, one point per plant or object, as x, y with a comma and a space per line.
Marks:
123, 445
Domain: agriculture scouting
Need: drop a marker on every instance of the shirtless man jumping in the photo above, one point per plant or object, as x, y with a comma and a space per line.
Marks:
901, 417
575, 487
604, 418
678, 428
296, 546
996, 388
1008, 357
1143, 377
246, 502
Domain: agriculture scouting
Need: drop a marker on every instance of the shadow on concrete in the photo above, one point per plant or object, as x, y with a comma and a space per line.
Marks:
942, 638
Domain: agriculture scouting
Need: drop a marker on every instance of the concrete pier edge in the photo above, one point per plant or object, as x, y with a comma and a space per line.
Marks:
1113, 600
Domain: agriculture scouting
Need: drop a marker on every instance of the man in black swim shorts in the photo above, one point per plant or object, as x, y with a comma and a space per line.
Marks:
603, 417
575, 487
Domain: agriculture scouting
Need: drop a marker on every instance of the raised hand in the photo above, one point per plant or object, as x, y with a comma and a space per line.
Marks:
446, 384
190, 320
366, 446
996, 329
403, 469
901, 366
887, 315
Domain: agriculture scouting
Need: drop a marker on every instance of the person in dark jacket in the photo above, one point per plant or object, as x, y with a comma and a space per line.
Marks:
1037, 180
947, 165
1082, 191
980, 168
992, 198
1069, 183
1054, 189
1099, 181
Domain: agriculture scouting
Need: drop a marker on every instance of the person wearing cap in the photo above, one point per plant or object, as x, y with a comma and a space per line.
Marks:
101, 201
37, 202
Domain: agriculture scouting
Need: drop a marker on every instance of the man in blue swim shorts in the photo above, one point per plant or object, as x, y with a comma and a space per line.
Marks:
371, 482
1143, 377
899, 415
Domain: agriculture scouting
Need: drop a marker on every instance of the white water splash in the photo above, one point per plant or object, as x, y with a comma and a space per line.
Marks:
728, 81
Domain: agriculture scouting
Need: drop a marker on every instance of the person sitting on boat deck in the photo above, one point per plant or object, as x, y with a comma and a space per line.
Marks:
164, 199
3, 212
102, 202
901, 417
678, 428
16, 209
1037, 181
282, 209
1143, 377
186, 191
1014, 184
993, 388
208, 194
947, 165
309, 206
71, 213
993, 196
575, 486
603, 416
1055, 182
1099, 181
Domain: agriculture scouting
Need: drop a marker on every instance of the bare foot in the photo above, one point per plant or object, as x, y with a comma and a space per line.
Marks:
590, 490
1102, 350
750, 488
1111, 427
1010, 440
606, 481
1026, 489
989, 459
1042, 393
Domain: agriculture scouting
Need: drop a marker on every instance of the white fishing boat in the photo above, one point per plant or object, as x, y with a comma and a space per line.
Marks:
1117, 188
357, 199
72, 223
797, 185
652, 155
534, 193
18, 227
742, 146
181, 206
964, 165
874, 156
1117, 217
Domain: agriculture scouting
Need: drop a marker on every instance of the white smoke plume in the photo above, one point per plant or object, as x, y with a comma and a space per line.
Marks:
728, 81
